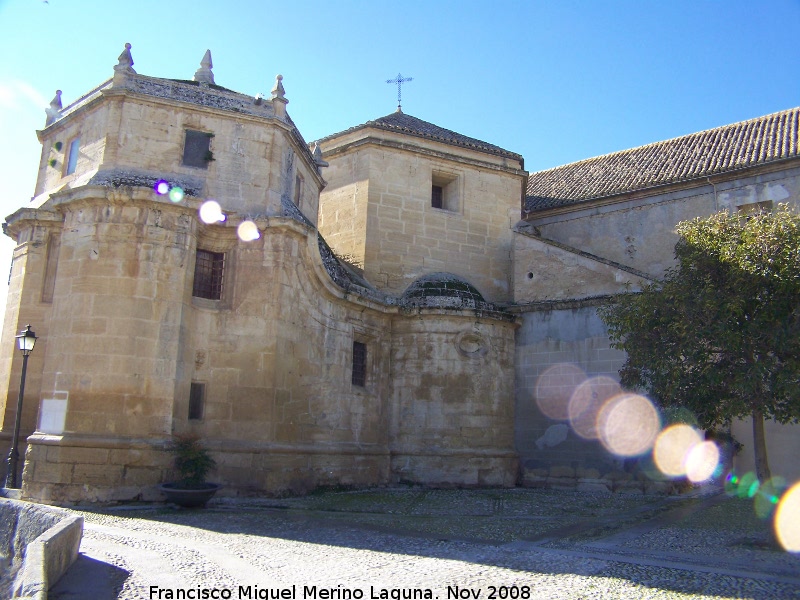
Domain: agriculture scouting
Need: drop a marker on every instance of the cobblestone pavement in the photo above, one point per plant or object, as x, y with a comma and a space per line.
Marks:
442, 544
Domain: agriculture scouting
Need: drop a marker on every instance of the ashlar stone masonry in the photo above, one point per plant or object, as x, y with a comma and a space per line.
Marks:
388, 321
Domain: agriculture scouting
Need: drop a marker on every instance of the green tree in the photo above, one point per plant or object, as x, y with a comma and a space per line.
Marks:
720, 334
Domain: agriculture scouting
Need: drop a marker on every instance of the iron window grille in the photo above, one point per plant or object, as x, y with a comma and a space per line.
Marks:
208, 271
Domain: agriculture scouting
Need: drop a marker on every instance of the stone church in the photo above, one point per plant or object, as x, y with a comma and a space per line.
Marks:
385, 305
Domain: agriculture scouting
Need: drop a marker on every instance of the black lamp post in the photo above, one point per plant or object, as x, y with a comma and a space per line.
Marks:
26, 339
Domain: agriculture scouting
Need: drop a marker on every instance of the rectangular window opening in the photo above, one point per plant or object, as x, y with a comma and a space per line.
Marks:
444, 191
437, 196
298, 189
359, 364
197, 149
72, 156
50, 267
197, 394
208, 271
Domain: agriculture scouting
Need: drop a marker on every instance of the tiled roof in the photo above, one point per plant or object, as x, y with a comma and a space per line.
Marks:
729, 148
403, 123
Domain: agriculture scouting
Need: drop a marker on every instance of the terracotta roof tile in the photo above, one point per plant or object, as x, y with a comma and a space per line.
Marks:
737, 146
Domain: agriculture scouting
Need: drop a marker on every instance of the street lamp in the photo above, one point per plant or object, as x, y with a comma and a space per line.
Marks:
26, 339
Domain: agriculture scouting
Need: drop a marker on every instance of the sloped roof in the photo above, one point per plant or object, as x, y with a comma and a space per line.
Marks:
731, 147
400, 122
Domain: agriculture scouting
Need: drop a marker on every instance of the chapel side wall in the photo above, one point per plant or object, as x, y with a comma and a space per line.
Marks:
544, 272
452, 413
640, 233
343, 206
407, 237
24, 307
281, 413
111, 353
548, 340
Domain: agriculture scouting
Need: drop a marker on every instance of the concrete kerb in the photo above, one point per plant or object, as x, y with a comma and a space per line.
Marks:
37, 545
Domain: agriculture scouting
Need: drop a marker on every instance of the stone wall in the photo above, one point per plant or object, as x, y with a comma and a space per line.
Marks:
550, 339
452, 416
639, 231
377, 208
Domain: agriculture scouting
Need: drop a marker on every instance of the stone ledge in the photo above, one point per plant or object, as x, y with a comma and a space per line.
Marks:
39, 543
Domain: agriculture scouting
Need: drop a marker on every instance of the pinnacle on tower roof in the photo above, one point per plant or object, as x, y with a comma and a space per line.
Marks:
204, 73
318, 156
54, 111
278, 93
125, 64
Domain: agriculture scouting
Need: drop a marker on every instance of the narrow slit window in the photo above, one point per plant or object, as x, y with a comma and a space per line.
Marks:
197, 394
359, 364
298, 189
437, 195
208, 275
72, 156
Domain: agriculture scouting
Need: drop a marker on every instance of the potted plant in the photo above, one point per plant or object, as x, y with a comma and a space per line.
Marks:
193, 463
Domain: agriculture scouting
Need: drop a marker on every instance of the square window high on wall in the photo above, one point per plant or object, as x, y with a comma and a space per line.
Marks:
208, 274
197, 149
445, 192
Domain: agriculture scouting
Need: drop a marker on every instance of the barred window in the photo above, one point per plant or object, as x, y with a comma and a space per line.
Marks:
359, 364
208, 270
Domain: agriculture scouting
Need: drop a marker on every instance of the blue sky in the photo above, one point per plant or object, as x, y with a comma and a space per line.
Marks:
554, 81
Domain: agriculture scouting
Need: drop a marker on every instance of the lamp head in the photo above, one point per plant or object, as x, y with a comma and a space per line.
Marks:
26, 339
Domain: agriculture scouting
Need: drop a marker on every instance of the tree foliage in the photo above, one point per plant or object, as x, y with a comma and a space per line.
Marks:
720, 334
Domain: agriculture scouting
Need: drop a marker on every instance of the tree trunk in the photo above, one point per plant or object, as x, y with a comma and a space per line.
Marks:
760, 447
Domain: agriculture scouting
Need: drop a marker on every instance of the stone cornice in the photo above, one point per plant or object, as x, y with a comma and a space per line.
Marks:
420, 150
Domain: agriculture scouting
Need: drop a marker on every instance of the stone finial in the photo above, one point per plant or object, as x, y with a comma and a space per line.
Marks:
125, 64
318, 156
279, 100
54, 111
204, 74
278, 93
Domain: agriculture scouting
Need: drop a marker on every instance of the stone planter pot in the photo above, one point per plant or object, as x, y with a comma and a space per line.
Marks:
189, 498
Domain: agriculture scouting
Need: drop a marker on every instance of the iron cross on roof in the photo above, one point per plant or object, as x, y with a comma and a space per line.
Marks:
399, 80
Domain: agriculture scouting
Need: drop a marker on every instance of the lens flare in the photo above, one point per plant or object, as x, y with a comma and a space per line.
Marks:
211, 212
747, 485
161, 187
555, 387
586, 402
628, 425
768, 496
176, 194
672, 448
702, 462
731, 484
248, 231
787, 519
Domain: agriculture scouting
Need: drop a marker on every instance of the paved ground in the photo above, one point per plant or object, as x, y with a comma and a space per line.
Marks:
444, 544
